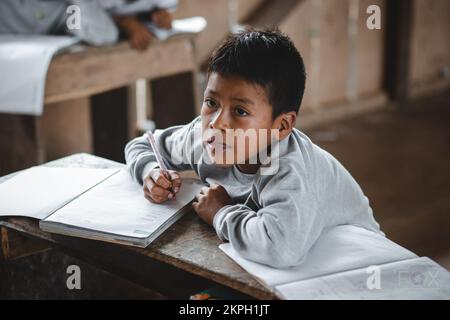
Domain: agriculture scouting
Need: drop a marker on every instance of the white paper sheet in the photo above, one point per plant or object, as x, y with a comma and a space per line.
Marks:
339, 249
24, 61
117, 206
418, 278
38, 191
190, 25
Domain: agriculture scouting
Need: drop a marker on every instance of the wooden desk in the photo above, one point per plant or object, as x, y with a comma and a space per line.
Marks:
100, 77
189, 248
84, 71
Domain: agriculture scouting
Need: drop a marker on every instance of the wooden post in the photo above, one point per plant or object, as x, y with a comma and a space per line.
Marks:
15, 245
398, 49
21, 143
173, 100
66, 128
4, 252
110, 123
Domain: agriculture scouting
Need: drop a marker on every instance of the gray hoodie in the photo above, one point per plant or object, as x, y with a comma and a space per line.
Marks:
278, 217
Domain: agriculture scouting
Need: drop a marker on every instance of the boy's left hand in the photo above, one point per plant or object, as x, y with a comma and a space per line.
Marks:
209, 201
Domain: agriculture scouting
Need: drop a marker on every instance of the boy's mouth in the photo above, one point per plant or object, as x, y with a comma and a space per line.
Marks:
213, 144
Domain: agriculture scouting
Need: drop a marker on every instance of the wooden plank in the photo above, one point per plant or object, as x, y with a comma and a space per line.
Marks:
110, 123
93, 70
217, 15
270, 13
189, 245
21, 143
4, 243
173, 100
430, 48
66, 128
370, 51
338, 112
15, 245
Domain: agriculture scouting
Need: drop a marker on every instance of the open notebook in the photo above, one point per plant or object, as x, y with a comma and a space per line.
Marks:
336, 267
101, 204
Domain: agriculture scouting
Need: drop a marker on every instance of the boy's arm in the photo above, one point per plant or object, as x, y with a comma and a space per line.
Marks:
137, 33
281, 232
176, 145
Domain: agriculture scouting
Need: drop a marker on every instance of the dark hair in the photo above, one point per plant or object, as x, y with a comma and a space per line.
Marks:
265, 57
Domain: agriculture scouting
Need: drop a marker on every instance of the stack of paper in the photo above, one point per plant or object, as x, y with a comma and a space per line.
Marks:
191, 25
347, 262
24, 61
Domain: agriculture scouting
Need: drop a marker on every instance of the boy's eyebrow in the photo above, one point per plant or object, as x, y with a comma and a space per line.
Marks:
238, 99
243, 100
210, 91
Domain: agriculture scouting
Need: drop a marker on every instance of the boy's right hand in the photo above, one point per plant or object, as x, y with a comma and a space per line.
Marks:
159, 188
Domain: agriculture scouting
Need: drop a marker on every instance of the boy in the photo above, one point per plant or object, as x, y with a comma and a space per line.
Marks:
256, 81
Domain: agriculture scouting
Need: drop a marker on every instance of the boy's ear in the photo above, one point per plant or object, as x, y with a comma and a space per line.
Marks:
285, 122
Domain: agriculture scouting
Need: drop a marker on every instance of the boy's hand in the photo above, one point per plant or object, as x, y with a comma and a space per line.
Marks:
209, 201
138, 34
162, 19
159, 188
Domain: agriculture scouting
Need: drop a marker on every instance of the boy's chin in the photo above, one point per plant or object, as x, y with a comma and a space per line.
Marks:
218, 160
220, 163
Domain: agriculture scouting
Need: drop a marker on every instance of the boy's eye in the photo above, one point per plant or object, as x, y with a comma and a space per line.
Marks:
241, 112
211, 103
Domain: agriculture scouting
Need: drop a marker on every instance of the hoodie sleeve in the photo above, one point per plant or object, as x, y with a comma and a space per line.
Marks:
180, 148
282, 231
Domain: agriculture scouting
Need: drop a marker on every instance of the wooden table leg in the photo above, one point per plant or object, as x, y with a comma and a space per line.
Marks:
15, 245
21, 143
4, 252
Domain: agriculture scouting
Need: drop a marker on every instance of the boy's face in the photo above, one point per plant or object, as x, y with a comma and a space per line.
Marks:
232, 103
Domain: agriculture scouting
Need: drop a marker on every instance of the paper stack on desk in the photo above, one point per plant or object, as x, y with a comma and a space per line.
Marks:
192, 25
24, 61
100, 204
348, 262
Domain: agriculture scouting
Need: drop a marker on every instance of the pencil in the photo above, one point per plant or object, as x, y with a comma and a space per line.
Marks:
162, 166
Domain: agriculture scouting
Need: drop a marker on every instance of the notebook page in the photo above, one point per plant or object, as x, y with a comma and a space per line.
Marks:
338, 249
418, 278
39, 191
117, 206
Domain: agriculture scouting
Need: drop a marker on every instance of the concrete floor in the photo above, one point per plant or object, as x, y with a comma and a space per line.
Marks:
401, 159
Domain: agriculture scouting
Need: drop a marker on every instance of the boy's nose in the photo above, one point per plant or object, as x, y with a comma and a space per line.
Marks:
219, 121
